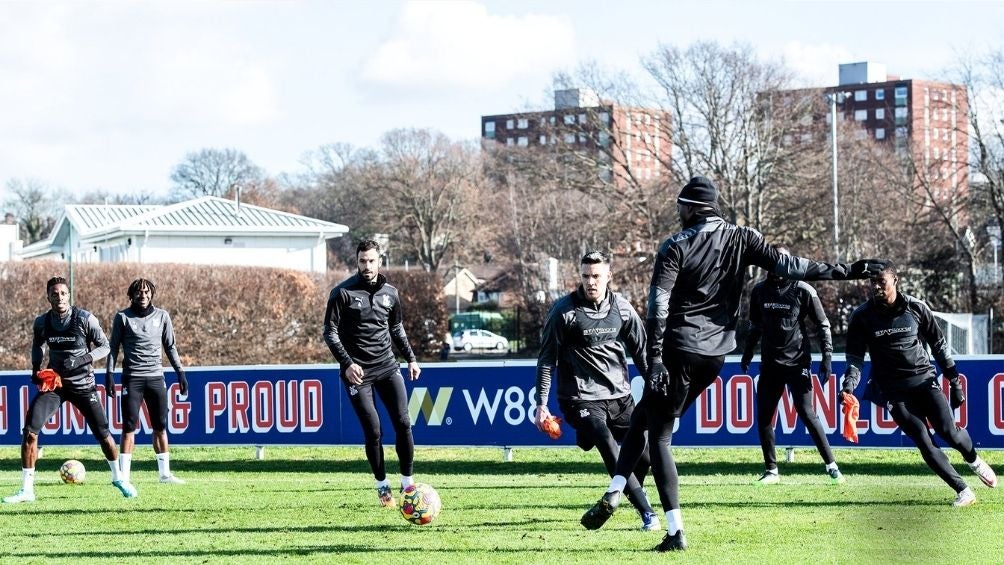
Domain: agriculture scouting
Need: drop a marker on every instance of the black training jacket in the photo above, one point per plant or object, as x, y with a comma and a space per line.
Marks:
777, 314
360, 322
586, 343
693, 303
895, 339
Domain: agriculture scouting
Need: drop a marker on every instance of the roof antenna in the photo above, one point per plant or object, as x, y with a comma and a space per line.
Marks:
237, 207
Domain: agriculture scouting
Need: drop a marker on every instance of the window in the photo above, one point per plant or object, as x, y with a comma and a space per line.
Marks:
582, 138
880, 133
543, 122
880, 113
543, 140
860, 95
582, 118
523, 123
490, 130
806, 138
510, 141
901, 112
860, 115
509, 124
569, 120
901, 95
880, 94
523, 141
551, 119
604, 118
901, 132
570, 137
603, 138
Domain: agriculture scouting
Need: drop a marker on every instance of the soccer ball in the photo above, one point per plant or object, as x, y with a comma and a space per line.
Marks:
72, 472
420, 504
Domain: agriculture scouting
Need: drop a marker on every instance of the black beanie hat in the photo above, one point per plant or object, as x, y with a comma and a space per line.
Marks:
700, 191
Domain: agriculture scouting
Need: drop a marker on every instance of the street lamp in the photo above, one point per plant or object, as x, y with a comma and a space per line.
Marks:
994, 231
835, 97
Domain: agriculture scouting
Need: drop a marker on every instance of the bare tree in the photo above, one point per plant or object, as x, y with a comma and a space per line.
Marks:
35, 206
106, 197
213, 172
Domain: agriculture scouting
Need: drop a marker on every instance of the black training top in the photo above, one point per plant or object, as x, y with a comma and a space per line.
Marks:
778, 313
71, 336
895, 337
360, 322
585, 341
693, 302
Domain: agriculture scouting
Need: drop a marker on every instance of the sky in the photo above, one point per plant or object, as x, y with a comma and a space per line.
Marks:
101, 95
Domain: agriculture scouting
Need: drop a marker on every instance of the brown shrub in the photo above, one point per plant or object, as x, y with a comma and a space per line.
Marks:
221, 315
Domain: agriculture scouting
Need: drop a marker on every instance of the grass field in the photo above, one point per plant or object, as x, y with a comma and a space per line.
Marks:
318, 505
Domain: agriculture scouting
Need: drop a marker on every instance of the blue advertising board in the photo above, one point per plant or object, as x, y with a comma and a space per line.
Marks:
486, 403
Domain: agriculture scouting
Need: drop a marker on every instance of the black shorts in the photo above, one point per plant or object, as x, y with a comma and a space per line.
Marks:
798, 379
85, 399
614, 414
689, 374
135, 390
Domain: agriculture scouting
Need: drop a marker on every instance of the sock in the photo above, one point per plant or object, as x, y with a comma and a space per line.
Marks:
832, 466
113, 464
28, 479
674, 521
164, 464
383, 483
617, 483
976, 463
772, 471
125, 466
406, 481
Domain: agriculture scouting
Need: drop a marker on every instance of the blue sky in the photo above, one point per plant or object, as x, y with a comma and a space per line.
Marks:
111, 95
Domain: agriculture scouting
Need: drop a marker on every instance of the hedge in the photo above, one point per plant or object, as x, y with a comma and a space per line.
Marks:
221, 315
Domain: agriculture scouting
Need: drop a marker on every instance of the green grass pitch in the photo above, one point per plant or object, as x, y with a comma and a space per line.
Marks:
318, 505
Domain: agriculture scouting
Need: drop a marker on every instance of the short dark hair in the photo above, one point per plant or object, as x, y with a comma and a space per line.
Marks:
366, 245
54, 281
595, 258
890, 268
138, 285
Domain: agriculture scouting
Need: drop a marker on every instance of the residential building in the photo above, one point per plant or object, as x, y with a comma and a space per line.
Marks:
923, 121
624, 142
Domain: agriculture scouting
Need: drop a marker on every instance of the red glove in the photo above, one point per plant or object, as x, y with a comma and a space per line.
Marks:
552, 427
851, 409
50, 380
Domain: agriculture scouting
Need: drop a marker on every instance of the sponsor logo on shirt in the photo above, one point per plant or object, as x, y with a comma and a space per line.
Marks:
385, 300
61, 338
583, 412
599, 331
776, 306
353, 390
891, 331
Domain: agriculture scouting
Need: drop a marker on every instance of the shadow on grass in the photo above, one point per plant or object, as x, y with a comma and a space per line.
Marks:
449, 467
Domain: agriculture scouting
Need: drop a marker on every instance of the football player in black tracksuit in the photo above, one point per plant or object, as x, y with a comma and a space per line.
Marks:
693, 304
363, 317
68, 333
893, 328
584, 339
778, 310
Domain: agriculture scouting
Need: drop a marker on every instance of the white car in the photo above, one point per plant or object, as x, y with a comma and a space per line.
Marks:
469, 340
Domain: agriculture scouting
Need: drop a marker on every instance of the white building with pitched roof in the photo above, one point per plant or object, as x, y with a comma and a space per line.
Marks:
206, 231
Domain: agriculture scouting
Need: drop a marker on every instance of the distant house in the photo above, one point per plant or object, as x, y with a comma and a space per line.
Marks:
205, 231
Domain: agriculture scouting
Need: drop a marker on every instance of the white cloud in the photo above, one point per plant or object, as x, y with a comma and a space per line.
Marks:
816, 65
459, 44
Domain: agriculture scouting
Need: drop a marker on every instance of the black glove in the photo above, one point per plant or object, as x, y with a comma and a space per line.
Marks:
825, 367
847, 387
658, 378
110, 384
71, 363
955, 395
34, 377
183, 383
745, 366
867, 268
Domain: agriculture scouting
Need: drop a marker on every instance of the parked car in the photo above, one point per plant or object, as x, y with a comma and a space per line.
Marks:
469, 340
